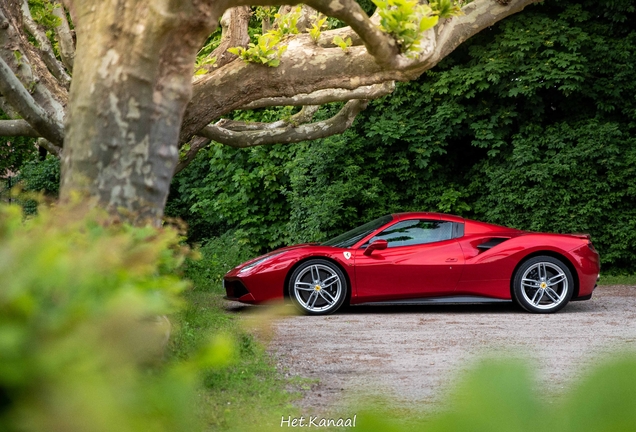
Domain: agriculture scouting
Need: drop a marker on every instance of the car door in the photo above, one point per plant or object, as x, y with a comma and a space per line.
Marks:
422, 259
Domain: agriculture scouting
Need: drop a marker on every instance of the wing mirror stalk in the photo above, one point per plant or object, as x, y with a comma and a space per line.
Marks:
376, 245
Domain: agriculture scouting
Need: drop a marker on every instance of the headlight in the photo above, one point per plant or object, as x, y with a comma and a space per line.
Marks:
257, 262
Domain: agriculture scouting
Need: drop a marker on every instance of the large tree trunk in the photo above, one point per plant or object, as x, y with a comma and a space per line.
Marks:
132, 81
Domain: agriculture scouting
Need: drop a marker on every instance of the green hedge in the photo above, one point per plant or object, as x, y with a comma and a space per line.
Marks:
530, 123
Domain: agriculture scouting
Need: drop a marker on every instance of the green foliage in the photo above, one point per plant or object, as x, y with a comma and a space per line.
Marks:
41, 177
267, 49
263, 13
202, 63
80, 342
344, 44
287, 24
210, 45
251, 380
406, 21
18, 57
316, 27
500, 396
246, 183
446, 8
568, 178
42, 13
218, 256
621, 279
15, 151
527, 125
205, 60
263, 52
367, 6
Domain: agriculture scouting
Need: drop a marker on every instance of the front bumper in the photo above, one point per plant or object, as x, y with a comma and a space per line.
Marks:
236, 290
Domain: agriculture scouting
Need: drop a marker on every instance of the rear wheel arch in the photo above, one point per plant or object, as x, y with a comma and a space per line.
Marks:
553, 254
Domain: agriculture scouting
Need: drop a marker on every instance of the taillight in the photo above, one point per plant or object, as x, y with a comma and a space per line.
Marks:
591, 246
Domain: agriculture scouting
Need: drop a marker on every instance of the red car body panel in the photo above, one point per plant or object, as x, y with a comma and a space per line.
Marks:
452, 267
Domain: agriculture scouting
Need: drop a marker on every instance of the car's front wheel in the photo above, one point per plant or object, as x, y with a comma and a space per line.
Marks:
318, 287
543, 284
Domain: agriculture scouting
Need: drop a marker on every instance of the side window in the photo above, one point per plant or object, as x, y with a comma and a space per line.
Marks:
417, 231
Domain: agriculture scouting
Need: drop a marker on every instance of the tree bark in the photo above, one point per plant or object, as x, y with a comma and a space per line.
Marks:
132, 81
235, 22
24, 60
10, 128
64, 37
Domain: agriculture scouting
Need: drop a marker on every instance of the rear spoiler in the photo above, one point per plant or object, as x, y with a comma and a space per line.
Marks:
582, 236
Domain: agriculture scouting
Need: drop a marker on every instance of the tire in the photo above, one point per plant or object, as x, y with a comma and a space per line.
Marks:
543, 284
317, 287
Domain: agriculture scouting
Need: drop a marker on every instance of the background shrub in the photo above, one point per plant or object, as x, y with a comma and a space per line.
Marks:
528, 124
80, 339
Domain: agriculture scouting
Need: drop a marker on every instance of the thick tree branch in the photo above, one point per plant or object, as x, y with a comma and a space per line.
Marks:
19, 98
304, 69
321, 97
197, 143
290, 134
450, 33
6, 108
17, 128
234, 24
46, 50
24, 60
64, 37
379, 44
51, 148
243, 134
305, 115
22, 128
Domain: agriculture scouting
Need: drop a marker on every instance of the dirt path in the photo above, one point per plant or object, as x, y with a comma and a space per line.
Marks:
410, 354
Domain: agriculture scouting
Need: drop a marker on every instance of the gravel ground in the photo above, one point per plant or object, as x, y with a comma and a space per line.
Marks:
409, 354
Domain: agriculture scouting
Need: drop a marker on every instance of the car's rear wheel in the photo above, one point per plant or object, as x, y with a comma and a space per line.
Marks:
543, 284
318, 287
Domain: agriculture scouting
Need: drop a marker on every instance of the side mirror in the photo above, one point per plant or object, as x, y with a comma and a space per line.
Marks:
376, 245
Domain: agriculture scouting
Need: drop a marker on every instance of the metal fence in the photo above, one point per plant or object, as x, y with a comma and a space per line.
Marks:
6, 184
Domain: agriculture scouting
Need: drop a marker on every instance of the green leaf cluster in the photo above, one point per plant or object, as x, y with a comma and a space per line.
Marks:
263, 13
42, 13
81, 340
265, 51
406, 21
316, 27
446, 8
344, 44
202, 63
287, 24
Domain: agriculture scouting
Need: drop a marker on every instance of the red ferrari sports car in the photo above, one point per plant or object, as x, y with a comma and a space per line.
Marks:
423, 257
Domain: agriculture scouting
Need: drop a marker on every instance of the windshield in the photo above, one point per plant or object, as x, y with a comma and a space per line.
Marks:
350, 238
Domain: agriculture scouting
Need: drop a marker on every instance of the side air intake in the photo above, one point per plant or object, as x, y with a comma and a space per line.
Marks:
491, 243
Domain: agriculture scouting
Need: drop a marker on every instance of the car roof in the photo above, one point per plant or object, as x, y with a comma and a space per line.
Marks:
470, 226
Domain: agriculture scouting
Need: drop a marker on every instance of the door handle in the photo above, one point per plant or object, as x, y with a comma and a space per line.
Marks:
451, 259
